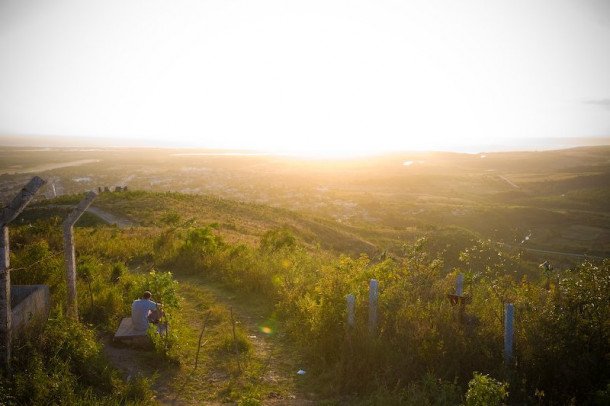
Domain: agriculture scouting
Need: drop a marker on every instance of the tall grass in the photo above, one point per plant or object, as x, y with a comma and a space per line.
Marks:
561, 341
62, 363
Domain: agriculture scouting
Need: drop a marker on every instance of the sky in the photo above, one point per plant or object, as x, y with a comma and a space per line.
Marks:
323, 76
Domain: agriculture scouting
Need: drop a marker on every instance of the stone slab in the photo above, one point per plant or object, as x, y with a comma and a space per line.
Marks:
127, 335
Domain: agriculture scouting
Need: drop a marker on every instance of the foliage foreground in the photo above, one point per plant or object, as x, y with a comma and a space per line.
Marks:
423, 350
62, 363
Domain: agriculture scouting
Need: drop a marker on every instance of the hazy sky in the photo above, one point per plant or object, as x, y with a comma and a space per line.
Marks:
306, 75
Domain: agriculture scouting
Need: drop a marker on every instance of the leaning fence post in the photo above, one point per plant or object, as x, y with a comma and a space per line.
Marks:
351, 304
69, 257
10, 213
373, 287
508, 332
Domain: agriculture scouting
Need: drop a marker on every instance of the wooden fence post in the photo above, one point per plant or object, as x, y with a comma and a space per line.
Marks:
69, 257
10, 213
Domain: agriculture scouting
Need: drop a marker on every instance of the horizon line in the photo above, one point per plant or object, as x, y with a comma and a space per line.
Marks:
500, 145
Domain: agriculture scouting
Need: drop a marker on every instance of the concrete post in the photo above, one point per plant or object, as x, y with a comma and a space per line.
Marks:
351, 304
459, 285
69, 257
508, 332
373, 288
10, 213
6, 322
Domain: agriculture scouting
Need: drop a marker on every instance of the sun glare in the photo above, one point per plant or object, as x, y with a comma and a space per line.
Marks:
316, 78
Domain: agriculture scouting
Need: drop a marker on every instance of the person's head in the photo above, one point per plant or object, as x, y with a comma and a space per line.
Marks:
147, 295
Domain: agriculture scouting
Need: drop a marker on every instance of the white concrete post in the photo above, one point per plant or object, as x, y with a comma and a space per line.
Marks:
69, 257
508, 332
10, 213
6, 322
351, 304
373, 288
459, 285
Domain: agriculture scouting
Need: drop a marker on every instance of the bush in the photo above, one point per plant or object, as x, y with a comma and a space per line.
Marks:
564, 333
118, 270
163, 287
277, 239
37, 263
486, 391
250, 401
240, 341
62, 363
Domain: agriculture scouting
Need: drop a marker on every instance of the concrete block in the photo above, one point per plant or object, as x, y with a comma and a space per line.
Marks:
28, 303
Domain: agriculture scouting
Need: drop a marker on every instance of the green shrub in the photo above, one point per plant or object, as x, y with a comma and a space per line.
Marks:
250, 401
241, 342
430, 391
163, 287
277, 239
37, 263
118, 271
62, 363
564, 333
486, 391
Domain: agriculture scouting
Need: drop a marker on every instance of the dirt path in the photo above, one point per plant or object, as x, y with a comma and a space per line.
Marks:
48, 167
109, 217
269, 367
512, 184
104, 215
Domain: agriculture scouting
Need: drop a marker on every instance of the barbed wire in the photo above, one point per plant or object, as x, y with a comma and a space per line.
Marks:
37, 262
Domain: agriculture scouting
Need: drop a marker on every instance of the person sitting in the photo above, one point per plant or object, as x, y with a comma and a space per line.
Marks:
141, 309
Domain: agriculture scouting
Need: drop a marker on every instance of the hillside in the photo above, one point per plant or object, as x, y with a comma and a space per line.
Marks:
235, 221
376, 204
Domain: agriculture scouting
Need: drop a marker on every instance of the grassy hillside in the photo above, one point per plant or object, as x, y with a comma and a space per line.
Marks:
290, 302
236, 221
294, 264
559, 199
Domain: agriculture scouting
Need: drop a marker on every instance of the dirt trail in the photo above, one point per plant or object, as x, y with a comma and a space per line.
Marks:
49, 167
282, 362
276, 363
133, 363
109, 217
104, 215
275, 370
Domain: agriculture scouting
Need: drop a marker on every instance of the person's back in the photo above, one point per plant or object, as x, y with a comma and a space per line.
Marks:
140, 309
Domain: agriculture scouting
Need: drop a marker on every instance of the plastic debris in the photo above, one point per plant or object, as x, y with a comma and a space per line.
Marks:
301, 372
